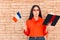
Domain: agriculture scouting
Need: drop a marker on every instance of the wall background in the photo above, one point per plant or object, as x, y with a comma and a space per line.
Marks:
10, 30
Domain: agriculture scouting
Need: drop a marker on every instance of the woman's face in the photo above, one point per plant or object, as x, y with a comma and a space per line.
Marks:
35, 11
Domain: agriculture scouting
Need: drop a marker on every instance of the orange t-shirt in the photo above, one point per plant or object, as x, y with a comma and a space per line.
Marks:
35, 28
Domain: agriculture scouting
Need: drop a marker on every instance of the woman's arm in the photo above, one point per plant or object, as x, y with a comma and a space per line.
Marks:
45, 30
26, 29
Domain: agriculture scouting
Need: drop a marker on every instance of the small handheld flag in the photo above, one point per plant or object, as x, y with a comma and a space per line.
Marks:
17, 17
19, 14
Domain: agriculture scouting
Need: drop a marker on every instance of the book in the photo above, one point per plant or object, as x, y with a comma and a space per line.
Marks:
52, 19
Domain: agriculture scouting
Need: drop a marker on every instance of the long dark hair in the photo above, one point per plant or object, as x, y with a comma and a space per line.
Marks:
31, 12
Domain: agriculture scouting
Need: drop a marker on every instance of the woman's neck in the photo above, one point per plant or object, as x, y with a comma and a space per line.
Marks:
36, 18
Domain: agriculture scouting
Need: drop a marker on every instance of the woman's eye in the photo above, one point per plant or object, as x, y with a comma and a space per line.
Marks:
34, 10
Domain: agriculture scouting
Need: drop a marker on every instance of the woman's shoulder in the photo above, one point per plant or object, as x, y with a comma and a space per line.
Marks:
28, 20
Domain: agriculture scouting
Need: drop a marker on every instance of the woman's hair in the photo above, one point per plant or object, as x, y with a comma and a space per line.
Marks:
31, 12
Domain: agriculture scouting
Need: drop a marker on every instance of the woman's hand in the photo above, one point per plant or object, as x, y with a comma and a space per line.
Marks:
49, 27
26, 31
25, 27
46, 36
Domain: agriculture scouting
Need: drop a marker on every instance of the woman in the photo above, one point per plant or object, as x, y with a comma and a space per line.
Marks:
34, 25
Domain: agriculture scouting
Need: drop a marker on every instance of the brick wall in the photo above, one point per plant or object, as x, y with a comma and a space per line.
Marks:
10, 30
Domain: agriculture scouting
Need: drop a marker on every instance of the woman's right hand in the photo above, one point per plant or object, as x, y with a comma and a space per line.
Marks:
25, 27
26, 31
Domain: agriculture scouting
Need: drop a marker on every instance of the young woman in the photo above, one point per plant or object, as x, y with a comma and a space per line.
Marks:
34, 25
